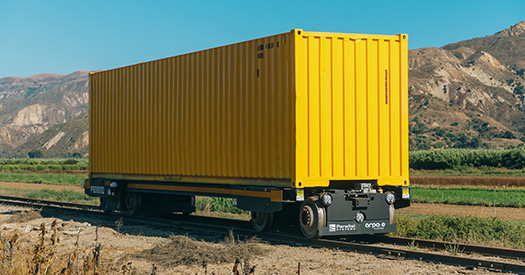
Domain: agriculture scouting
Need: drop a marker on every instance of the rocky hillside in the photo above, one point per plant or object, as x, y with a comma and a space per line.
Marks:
32, 107
469, 94
61, 140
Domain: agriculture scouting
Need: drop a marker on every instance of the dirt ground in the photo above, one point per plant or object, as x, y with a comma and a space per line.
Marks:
40, 186
127, 249
131, 249
447, 181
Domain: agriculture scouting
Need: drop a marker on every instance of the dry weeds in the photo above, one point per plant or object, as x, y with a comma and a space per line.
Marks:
24, 216
17, 257
186, 250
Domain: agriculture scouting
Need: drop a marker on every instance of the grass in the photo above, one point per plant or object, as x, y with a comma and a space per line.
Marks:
47, 178
219, 208
53, 195
470, 196
213, 204
454, 249
474, 230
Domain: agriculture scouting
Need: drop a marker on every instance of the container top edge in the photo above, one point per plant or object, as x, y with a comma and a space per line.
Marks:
203, 50
401, 36
297, 32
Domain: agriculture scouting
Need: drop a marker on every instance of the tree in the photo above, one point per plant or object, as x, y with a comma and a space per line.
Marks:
34, 154
465, 141
76, 155
440, 132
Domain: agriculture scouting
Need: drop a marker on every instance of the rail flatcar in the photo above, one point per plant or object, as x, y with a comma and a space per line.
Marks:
301, 126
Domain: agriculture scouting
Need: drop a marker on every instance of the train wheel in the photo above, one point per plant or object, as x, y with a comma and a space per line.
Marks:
311, 218
130, 203
261, 221
104, 205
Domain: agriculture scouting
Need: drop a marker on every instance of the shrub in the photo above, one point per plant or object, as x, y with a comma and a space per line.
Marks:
70, 161
455, 158
508, 135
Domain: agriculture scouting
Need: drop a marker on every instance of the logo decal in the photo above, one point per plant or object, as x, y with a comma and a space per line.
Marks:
375, 225
333, 227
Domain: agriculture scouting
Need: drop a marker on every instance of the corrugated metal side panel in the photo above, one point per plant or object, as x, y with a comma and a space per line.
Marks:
352, 108
222, 113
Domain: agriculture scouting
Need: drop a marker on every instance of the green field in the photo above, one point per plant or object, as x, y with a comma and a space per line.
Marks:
469, 196
473, 230
46, 178
471, 171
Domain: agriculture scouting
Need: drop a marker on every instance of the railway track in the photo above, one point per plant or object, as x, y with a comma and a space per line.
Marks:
471, 256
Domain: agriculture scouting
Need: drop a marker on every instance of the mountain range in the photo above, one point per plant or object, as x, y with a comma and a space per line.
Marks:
468, 94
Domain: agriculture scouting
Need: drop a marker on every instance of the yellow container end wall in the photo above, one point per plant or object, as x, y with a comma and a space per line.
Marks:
351, 108
225, 113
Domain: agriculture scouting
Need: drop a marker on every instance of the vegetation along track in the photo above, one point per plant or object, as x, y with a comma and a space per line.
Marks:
498, 259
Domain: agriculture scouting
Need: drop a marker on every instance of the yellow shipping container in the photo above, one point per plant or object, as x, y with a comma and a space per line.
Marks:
298, 109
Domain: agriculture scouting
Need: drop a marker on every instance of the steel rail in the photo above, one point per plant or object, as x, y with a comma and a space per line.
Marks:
325, 243
409, 254
50, 203
466, 248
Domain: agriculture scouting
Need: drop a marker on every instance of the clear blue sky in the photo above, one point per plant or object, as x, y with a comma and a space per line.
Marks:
65, 36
